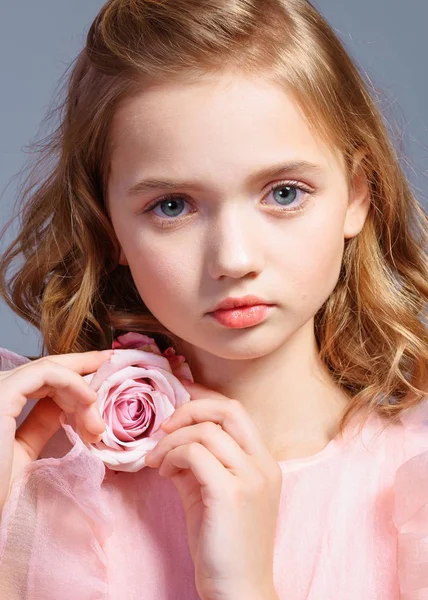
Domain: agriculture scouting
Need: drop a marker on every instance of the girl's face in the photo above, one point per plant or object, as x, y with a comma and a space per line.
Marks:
218, 145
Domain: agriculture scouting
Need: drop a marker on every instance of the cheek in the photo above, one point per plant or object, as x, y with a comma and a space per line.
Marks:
314, 269
153, 267
163, 278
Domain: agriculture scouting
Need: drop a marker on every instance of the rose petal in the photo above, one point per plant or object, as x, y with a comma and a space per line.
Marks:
127, 358
136, 390
132, 339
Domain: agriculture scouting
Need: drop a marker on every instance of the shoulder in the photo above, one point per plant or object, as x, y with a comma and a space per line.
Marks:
411, 501
412, 473
415, 427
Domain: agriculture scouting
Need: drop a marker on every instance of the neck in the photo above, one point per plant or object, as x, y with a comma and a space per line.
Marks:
289, 393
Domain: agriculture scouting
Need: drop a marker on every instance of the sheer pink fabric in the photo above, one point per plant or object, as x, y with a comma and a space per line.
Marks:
352, 524
10, 359
411, 506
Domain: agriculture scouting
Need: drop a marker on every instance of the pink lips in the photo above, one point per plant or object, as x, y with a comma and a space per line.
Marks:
245, 301
239, 318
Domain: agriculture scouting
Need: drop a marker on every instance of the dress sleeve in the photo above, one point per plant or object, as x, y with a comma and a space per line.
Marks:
54, 527
10, 360
55, 522
411, 505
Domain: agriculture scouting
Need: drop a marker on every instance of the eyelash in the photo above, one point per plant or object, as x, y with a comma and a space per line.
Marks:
169, 222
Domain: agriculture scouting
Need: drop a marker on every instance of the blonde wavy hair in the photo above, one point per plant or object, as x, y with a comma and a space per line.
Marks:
371, 331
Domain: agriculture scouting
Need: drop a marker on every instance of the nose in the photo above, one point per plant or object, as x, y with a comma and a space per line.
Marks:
234, 245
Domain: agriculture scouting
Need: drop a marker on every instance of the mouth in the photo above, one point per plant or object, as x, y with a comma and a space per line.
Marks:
243, 302
242, 316
240, 307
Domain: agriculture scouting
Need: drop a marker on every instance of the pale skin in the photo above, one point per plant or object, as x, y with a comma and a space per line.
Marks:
229, 238
56, 381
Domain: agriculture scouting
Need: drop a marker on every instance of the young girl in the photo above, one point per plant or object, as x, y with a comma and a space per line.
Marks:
213, 150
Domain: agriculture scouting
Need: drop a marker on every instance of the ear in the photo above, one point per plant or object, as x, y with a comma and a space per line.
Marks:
122, 258
359, 199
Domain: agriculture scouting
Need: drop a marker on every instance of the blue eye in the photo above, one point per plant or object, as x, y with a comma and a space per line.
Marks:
288, 194
171, 205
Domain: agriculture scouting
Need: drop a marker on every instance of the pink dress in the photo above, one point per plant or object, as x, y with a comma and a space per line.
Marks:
352, 524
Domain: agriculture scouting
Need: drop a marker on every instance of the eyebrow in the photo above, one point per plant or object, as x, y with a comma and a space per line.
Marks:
298, 167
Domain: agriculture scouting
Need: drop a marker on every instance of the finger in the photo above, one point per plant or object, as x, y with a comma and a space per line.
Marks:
65, 387
39, 426
205, 467
91, 431
229, 414
48, 378
82, 363
212, 436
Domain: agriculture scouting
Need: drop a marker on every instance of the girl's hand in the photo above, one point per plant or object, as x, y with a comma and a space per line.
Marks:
230, 487
57, 381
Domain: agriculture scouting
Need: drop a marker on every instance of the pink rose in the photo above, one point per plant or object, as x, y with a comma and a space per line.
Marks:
138, 388
139, 341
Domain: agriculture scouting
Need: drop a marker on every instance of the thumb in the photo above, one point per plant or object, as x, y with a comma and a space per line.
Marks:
39, 426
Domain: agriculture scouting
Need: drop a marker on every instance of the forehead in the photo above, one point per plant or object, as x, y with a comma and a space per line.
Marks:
214, 121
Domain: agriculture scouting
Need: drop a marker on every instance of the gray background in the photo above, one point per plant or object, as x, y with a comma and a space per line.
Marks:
39, 39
